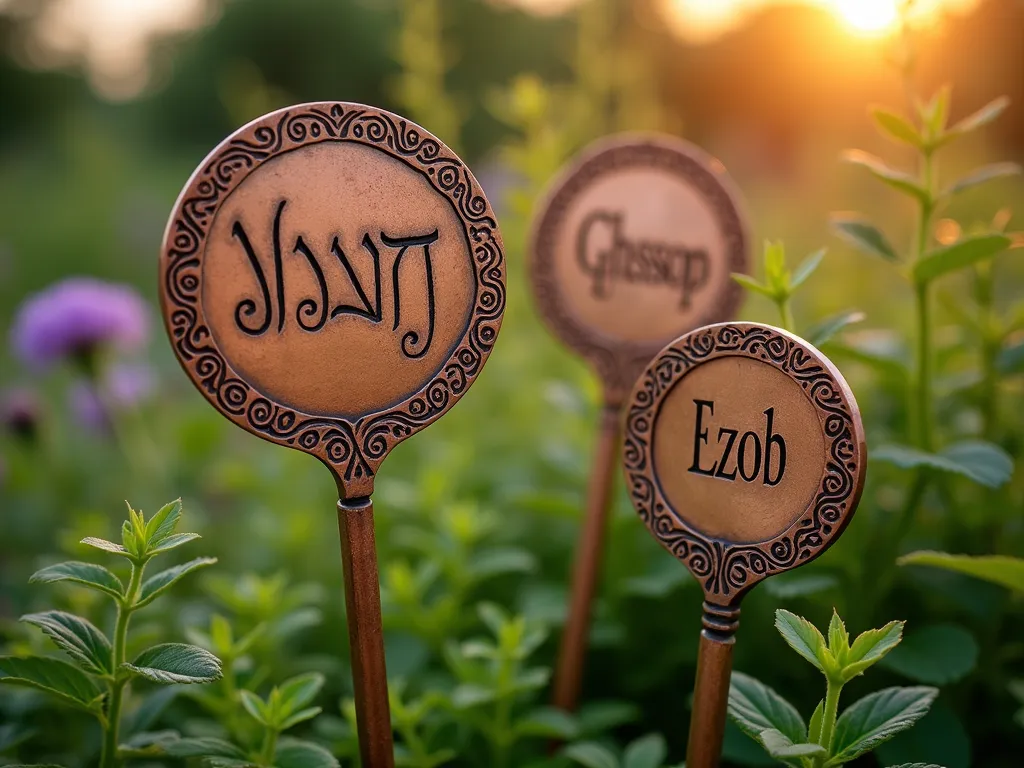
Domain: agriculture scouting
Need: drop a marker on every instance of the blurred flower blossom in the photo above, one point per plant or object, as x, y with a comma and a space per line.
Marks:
75, 317
123, 386
20, 412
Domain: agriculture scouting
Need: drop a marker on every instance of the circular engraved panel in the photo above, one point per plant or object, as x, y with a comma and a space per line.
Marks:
744, 453
332, 279
634, 246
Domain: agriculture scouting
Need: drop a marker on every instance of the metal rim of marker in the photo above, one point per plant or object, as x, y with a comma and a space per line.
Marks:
245, 381
797, 533
680, 173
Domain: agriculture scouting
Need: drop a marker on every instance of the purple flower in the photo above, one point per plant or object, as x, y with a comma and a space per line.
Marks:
76, 316
124, 386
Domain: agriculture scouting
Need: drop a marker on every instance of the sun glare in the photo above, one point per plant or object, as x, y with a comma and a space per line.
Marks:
873, 16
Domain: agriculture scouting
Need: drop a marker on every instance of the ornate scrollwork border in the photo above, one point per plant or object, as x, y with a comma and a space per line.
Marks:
352, 449
618, 362
725, 569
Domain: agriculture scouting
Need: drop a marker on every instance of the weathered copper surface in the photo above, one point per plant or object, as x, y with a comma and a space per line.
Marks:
745, 457
633, 246
333, 280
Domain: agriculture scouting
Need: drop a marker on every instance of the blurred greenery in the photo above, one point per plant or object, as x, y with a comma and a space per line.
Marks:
484, 507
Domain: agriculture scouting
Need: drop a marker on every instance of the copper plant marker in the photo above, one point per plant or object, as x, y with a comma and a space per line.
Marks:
745, 457
633, 246
332, 279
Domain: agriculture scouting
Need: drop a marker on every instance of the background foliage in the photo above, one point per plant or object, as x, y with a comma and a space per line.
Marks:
477, 517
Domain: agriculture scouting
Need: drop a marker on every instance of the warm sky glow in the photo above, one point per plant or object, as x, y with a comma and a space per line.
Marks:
707, 19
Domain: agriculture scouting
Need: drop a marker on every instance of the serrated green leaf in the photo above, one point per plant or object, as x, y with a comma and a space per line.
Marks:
173, 541
898, 180
77, 637
814, 726
646, 752
256, 707
753, 285
128, 540
964, 253
983, 175
292, 753
806, 269
982, 462
755, 707
863, 235
998, 569
877, 718
107, 546
86, 574
778, 745
158, 583
205, 746
870, 647
824, 331
838, 638
176, 663
163, 523
804, 638
937, 655
591, 755
300, 716
548, 722
897, 127
58, 678
299, 691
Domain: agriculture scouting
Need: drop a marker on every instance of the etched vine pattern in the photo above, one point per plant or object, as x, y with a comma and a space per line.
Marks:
619, 363
353, 448
727, 569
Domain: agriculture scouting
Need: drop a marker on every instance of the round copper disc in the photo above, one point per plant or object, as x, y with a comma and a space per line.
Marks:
633, 246
744, 453
332, 279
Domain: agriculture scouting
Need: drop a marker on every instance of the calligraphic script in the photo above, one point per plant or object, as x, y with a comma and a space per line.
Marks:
633, 246
333, 280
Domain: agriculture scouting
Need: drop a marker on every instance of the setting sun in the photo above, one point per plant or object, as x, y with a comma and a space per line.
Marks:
868, 15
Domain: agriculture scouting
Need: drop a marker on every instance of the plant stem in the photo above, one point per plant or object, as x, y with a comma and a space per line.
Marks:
269, 748
786, 313
922, 375
828, 720
108, 758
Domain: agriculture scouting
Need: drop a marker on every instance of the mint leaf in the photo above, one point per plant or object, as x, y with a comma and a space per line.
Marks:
804, 638
255, 706
107, 546
877, 718
174, 541
300, 717
299, 691
162, 581
962, 254
897, 127
753, 285
163, 523
898, 180
938, 654
982, 462
982, 117
870, 647
998, 569
778, 745
814, 726
58, 678
755, 708
863, 235
292, 753
591, 755
806, 269
86, 574
646, 752
176, 663
78, 638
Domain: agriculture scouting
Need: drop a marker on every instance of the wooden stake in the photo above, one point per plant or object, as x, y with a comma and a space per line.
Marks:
365, 633
711, 693
573, 649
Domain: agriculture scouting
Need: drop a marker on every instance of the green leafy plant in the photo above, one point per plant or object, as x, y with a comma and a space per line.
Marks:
286, 706
648, 751
99, 676
829, 738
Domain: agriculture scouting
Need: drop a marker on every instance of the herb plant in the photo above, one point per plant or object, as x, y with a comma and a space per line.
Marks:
828, 739
100, 675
